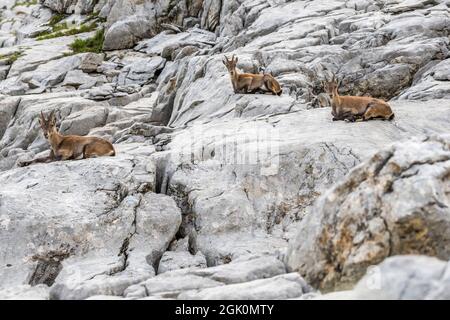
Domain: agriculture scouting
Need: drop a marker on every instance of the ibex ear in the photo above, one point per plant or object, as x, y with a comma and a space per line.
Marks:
225, 62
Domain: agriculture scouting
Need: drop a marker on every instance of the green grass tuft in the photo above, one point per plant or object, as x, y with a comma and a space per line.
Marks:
25, 3
11, 58
94, 44
62, 30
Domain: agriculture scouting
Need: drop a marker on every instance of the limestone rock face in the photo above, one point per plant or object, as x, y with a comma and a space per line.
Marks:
426, 278
126, 33
394, 203
280, 287
93, 224
26, 292
408, 277
132, 21
70, 6
173, 260
255, 278
214, 194
266, 201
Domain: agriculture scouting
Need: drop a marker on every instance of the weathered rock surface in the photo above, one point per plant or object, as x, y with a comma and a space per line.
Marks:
26, 292
406, 277
102, 226
70, 6
256, 278
397, 202
243, 171
173, 260
249, 200
400, 278
280, 287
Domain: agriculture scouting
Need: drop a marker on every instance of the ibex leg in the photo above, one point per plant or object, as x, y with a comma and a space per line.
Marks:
50, 158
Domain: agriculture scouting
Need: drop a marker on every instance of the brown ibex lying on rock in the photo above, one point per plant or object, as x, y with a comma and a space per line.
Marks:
69, 147
352, 108
250, 82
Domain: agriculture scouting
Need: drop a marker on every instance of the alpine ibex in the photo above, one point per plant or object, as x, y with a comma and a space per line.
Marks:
250, 82
352, 107
69, 147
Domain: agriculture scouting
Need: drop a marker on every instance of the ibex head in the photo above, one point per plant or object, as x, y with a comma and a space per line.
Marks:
331, 87
48, 126
231, 64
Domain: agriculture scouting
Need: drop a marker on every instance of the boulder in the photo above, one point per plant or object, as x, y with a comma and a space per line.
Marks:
7, 112
408, 277
396, 202
405, 278
90, 62
173, 260
126, 33
81, 80
140, 71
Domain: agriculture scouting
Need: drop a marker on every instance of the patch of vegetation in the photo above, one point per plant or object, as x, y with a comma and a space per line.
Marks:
25, 3
62, 30
55, 25
10, 58
55, 19
95, 16
94, 44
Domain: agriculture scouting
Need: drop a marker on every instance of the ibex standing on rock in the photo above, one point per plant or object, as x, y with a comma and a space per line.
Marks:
69, 147
250, 82
352, 107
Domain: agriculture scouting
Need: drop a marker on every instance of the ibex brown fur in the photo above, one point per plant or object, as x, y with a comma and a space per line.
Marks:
69, 147
250, 82
352, 108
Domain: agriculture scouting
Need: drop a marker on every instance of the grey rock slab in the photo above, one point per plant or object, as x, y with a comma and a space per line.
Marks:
250, 158
91, 61
169, 287
7, 112
51, 73
81, 257
25, 292
140, 71
408, 277
405, 277
172, 260
396, 202
79, 79
24, 131
285, 286
172, 283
